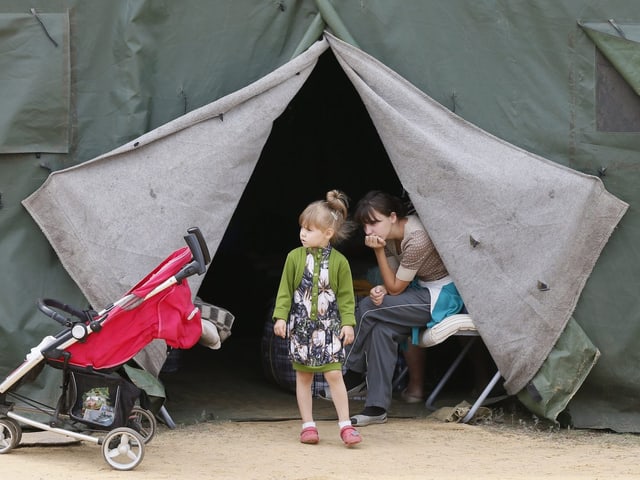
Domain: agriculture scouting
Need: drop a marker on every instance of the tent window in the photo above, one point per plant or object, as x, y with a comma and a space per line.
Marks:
34, 74
617, 105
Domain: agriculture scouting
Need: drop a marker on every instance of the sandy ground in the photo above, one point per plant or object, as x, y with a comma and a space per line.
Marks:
422, 448
233, 424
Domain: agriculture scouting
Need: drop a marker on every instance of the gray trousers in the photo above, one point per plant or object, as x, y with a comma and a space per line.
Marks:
378, 332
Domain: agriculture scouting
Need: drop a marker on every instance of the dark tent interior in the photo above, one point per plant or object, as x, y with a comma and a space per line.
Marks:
325, 139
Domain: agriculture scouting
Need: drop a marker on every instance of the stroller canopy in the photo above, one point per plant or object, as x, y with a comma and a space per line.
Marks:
169, 315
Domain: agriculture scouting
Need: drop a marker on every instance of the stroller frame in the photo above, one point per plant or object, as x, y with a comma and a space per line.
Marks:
128, 428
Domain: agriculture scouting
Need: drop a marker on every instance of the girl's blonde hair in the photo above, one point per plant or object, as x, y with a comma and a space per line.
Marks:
329, 213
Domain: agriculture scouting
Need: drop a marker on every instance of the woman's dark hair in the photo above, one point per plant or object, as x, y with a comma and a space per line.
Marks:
381, 202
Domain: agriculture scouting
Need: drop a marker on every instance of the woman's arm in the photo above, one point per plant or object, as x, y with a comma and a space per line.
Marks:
392, 284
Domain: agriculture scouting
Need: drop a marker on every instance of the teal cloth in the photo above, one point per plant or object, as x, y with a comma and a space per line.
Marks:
449, 303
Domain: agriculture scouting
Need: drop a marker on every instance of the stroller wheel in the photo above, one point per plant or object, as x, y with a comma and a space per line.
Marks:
10, 434
143, 422
123, 448
18, 428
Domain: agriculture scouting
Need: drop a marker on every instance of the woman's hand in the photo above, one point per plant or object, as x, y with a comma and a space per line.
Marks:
374, 241
347, 335
377, 294
280, 328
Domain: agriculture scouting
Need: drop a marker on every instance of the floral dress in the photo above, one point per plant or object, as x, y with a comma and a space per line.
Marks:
314, 322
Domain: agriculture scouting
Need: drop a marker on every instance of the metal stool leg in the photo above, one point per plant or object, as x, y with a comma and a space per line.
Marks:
448, 373
485, 393
166, 418
398, 378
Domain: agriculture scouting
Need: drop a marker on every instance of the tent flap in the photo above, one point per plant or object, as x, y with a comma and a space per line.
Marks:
622, 51
532, 222
103, 215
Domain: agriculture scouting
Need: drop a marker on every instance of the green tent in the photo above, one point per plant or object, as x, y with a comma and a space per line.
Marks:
548, 87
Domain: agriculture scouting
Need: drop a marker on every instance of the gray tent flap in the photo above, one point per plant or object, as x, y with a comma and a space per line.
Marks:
34, 80
561, 374
200, 165
538, 228
620, 43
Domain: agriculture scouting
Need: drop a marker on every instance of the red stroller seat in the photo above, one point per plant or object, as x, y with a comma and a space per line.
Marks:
169, 315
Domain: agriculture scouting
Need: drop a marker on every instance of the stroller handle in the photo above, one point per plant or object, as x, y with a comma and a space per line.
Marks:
203, 245
199, 253
47, 305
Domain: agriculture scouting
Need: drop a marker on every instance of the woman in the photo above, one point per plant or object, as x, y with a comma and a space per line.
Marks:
416, 291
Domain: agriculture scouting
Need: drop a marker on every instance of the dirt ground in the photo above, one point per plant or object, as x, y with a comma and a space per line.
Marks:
418, 448
233, 424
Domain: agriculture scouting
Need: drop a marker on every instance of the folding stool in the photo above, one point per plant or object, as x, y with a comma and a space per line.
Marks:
459, 324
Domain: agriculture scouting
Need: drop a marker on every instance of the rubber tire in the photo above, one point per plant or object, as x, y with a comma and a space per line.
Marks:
121, 444
9, 435
143, 422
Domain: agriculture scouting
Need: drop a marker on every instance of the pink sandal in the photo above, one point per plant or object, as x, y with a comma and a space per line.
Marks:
309, 435
350, 436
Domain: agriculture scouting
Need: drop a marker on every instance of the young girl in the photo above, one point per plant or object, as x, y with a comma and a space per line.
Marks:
316, 296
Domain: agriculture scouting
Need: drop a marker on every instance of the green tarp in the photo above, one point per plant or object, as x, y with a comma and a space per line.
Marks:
35, 93
524, 73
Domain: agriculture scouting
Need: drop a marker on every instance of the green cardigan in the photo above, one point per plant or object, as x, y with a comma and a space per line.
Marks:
340, 281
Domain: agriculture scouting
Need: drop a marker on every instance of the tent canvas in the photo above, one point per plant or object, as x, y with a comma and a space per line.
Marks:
520, 249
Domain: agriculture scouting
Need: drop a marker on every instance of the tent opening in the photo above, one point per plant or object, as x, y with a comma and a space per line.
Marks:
325, 139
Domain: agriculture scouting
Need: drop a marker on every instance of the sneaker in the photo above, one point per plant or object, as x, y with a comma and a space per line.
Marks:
350, 436
309, 435
368, 417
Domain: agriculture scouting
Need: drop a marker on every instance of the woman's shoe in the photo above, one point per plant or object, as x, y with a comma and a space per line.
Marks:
350, 436
309, 435
408, 398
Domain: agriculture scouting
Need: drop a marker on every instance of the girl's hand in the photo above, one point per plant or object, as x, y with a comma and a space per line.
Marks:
374, 241
347, 335
280, 328
377, 294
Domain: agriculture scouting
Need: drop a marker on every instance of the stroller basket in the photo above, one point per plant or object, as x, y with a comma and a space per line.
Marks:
103, 401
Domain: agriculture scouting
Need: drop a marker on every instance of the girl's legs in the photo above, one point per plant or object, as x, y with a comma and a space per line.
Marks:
338, 394
304, 396
309, 433
348, 434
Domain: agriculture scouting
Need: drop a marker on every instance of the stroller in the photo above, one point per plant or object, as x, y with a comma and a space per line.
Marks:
99, 402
